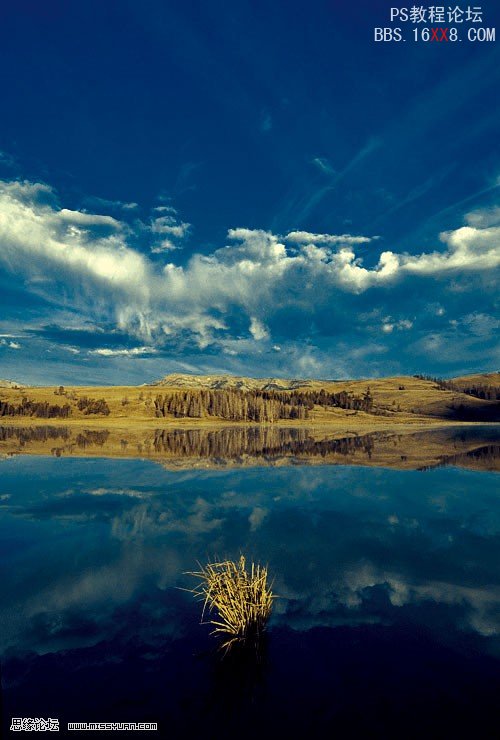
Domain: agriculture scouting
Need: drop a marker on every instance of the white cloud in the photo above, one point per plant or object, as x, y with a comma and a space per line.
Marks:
94, 270
468, 249
165, 245
26, 191
64, 256
80, 218
389, 325
257, 329
170, 225
306, 237
134, 352
165, 209
168, 231
128, 492
10, 344
484, 217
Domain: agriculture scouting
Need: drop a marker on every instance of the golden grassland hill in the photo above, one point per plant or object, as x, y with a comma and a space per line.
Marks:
418, 396
400, 399
488, 379
486, 385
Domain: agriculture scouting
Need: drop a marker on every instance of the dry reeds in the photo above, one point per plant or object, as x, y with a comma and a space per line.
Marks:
240, 600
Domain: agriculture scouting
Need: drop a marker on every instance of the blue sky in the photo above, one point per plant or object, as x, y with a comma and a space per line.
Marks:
247, 187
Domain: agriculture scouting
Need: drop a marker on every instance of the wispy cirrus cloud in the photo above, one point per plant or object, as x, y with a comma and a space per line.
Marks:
133, 352
305, 237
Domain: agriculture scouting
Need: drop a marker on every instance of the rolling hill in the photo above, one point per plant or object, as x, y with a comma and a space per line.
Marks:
211, 399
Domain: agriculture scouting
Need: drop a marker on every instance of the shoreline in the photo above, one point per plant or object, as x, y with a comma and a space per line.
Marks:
340, 424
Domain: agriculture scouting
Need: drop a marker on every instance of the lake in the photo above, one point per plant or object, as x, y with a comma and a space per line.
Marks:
388, 617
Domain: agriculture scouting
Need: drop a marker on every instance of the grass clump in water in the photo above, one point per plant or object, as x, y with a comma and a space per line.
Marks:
240, 600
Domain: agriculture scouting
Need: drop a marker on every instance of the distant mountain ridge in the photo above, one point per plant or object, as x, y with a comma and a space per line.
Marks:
238, 382
10, 384
233, 382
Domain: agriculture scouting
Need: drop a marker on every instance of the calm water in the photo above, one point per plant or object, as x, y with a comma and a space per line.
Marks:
387, 624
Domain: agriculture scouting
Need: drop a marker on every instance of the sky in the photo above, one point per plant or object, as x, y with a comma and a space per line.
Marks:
256, 188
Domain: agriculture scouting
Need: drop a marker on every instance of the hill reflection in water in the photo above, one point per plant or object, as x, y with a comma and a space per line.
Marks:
475, 447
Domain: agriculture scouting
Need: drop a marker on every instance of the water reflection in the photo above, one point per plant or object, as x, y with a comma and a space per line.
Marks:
381, 573
25, 435
474, 447
484, 457
333, 537
266, 443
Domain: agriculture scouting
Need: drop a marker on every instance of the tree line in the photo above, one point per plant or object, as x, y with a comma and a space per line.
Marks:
93, 406
46, 410
342, 400
479, 390
40, 409
233, 405
257, 405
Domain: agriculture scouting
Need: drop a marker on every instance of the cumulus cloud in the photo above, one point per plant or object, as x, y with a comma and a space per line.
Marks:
468, 248
85, 262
